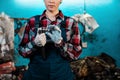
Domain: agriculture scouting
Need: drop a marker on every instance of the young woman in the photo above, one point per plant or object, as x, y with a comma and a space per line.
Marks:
52, 47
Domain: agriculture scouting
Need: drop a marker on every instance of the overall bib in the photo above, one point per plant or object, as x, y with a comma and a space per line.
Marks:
55, 67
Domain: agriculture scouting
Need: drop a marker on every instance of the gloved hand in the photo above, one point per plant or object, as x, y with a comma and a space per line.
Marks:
55, 34
40, 39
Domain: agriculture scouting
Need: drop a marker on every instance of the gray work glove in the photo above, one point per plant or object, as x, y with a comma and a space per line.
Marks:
40, 39
55, 34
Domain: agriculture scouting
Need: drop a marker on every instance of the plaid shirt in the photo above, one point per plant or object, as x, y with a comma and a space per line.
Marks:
71, 48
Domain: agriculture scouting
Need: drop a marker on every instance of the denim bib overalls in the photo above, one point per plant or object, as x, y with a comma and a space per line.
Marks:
55, 67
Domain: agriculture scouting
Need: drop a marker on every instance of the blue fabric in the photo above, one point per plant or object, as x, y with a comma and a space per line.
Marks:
18, 59
53, 68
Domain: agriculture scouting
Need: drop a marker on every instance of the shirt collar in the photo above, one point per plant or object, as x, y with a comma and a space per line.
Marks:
59, 15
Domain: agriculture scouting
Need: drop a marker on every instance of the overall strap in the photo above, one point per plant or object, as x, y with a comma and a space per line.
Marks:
37, 21
63, 23
63, 28
41, 49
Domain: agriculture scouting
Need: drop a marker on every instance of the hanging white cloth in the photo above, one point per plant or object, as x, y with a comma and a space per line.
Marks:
87, 20
8, 27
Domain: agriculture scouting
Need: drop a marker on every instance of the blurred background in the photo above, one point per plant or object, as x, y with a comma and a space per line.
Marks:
106, 38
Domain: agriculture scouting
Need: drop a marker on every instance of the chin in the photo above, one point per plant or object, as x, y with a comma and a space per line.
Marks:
51, 9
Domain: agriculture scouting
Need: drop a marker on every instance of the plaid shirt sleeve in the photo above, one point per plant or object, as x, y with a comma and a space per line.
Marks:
26, 45
72, 48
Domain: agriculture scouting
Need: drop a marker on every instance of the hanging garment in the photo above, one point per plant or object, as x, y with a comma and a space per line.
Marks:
19, 26
87, 20
6, 38
6, 46
8, 26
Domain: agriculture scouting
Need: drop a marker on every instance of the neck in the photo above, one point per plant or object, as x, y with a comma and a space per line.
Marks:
51, 15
